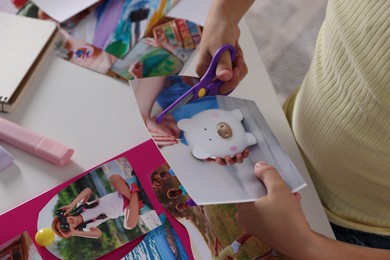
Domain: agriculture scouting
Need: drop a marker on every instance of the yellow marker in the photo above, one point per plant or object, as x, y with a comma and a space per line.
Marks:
201, 92
44, 237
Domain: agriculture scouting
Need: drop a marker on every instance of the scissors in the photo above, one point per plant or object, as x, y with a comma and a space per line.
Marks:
207, 86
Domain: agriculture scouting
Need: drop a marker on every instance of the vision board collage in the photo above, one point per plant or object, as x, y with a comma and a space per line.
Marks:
161, 199
125, 39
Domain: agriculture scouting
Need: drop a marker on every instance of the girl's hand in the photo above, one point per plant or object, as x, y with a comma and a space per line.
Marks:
221, 28
277, 218
67, 208
136, 69
165, 133
68, 234
238, 158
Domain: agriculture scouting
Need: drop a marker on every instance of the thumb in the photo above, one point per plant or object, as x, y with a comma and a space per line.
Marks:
270, 177
224, 70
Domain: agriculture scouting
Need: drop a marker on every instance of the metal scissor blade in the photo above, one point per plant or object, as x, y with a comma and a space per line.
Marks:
181, 103
174, 106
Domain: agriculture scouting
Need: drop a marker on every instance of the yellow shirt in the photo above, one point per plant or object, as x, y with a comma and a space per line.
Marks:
341, 115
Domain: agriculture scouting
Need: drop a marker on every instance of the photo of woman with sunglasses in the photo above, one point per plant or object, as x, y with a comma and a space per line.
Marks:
83, 220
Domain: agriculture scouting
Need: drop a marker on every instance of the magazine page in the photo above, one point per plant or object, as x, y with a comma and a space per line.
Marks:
19, 247
102, 213
162, 51
212, 230
123, 39
202, 232
162, 243
197, 136
108, 205
113, 26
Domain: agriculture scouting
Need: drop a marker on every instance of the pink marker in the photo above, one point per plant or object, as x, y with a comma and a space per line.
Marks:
34, 143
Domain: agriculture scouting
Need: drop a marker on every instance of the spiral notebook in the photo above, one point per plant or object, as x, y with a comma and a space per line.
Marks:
24, 42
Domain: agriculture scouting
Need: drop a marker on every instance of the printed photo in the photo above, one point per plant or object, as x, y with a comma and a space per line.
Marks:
160, 244
147, 59
213, 229
215, 234
20, 247
212, 143
82, 53
123, 39
115, 26
169, 191
98, 213
163, 51
111, 25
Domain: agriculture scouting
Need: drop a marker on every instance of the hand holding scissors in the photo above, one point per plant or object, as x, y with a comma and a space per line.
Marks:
208, 85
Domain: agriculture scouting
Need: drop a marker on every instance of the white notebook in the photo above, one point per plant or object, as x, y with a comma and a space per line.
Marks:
23, 43
62, 10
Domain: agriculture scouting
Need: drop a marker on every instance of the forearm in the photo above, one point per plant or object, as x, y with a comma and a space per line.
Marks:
279, 221
83, 196
93, 233
232, 9
321, 247
221, 27
147, 93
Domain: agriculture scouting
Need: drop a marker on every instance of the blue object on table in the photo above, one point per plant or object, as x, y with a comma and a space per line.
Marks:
5, 158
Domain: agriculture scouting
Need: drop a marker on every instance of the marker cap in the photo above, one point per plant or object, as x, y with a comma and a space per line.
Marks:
54, 152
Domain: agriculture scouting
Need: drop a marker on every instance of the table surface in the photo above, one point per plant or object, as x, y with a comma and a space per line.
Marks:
30, 176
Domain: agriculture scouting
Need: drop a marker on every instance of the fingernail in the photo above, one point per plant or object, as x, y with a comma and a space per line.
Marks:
224, 73
259, 164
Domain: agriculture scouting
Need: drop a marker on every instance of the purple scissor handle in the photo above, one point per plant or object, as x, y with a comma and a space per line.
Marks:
207, 86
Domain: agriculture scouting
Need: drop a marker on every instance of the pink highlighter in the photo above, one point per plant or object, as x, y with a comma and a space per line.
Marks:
34, 143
